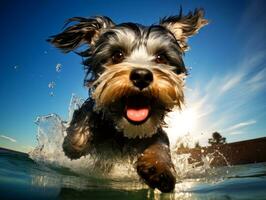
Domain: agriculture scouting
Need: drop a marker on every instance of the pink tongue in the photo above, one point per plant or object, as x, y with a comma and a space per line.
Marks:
137, 115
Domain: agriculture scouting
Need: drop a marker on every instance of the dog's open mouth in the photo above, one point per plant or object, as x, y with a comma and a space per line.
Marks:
137, 109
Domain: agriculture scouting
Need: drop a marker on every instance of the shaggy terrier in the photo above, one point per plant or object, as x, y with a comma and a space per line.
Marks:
135, 75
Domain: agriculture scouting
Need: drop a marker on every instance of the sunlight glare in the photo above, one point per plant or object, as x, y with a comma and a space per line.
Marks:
181, 123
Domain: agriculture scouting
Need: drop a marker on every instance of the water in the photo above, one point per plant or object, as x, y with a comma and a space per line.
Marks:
46, 173
23, 178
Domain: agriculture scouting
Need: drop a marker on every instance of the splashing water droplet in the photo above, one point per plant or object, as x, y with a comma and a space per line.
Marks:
51, 85
74, 104
58, 67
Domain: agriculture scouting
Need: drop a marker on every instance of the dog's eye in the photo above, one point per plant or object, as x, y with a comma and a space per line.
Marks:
161, 59
117, 57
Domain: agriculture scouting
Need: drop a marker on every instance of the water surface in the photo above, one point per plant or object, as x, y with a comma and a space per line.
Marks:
23, 178
46, 173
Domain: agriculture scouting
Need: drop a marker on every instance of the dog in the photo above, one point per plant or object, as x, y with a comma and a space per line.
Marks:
135, 76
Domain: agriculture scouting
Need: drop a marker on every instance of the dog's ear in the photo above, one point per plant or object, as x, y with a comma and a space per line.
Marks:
184, 26
85, 30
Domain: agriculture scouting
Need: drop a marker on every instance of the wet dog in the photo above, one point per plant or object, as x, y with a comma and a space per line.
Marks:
135, 75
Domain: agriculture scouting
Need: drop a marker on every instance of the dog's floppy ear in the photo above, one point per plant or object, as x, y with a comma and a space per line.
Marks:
85, 30
184, 26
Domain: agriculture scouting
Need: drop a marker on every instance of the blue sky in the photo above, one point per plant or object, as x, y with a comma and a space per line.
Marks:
226, 88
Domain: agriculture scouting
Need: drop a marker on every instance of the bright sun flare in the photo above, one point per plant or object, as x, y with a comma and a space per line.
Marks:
181, 123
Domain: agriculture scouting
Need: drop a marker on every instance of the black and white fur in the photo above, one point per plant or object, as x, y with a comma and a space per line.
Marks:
129, 65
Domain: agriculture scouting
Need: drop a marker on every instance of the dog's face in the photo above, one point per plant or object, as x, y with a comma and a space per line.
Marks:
135, 72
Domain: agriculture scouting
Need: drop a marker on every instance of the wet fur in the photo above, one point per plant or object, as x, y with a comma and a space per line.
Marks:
99, 126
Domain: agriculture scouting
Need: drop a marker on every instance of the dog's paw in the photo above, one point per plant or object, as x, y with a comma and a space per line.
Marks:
157, 173
76, 144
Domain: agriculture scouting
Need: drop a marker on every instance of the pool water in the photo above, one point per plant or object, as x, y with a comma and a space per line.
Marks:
23, 178
46, 173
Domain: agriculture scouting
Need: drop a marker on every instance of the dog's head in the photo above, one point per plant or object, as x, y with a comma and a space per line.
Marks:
135, 72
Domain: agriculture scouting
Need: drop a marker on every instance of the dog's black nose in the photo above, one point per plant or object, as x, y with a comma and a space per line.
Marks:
141, 77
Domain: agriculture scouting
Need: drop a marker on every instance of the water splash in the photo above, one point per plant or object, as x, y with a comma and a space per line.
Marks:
75, 103
16, 67
51, 130
51, 85
58, 67
50, 134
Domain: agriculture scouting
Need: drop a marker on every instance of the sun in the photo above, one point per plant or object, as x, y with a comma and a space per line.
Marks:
181, 123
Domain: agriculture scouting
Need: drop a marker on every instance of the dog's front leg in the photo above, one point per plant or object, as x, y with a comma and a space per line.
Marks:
156, 168
76, 142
